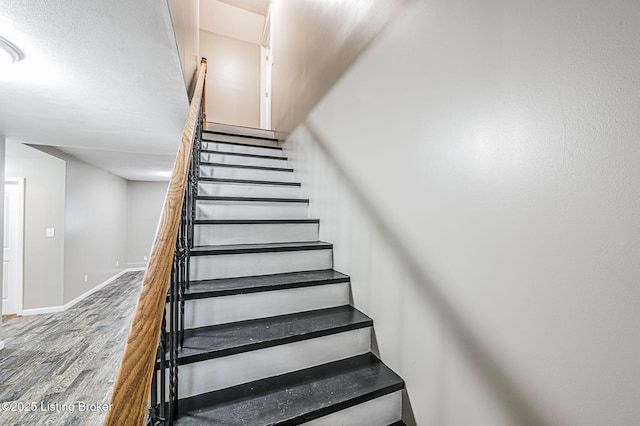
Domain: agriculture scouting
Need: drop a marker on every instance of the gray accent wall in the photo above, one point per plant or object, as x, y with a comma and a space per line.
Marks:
2, 149
477, 171
95, 239
103, 224
144, 205
87, 207
44, 208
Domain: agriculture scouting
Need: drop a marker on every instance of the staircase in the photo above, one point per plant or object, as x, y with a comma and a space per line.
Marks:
270, 337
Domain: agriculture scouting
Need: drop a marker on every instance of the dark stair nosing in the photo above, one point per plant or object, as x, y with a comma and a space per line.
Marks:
242, 154
335, 386
242, 166
259, 248
248, 181
243, 144
252, 199
219, 287
253, 221
222, 340
240, 136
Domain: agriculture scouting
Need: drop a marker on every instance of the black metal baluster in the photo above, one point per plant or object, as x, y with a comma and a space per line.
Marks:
173, 341
165, 410
163, 367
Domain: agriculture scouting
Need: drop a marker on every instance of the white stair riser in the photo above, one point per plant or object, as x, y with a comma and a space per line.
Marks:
221, 373
381, 411
249, 264
248, 190
206, 235
241, 307
239, 139
239, 130
211, 209
242, 173
242, 149
245, 161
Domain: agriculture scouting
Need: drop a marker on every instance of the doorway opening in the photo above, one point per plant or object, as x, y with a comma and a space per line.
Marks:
266, 66
13, 247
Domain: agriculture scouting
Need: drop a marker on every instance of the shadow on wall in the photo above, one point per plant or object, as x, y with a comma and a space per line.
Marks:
510, 398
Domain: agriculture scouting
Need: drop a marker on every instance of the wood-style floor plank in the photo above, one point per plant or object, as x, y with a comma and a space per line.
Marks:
54, 361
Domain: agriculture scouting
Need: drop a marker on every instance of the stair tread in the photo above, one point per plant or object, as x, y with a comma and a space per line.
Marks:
252, 221
294, 397
228, 339
259, 248
242, 154
252, 284
243, 166
247, 181
251, 199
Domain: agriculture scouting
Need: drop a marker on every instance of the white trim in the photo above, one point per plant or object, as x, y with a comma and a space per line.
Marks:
54, 309
20, 248
45, 310
136, 269
1, 345
94, 289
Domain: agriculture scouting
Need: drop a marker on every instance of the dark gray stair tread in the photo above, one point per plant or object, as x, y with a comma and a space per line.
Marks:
252, 221
254, 284
242, 166
247, 181
242, 144
259, 248
228, 339
243, 154
235, 135
293, 398
252, 199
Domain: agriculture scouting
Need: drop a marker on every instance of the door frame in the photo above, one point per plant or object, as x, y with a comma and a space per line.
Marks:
266, 66
19, 283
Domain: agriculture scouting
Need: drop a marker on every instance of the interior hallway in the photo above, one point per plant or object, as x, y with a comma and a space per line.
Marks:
54, 360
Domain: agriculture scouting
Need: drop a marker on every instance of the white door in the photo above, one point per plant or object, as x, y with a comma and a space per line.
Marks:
12, 246
266, 66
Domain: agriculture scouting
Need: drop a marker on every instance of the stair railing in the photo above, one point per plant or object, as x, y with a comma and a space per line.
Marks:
149, 365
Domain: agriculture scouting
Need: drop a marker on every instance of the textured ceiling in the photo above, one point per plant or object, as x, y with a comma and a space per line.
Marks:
101, 78
260, 7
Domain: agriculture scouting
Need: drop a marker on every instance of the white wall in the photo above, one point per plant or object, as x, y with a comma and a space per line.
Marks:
477, 170
233, 80
144, 206
313, 43
44, 208
230, 21
185, 20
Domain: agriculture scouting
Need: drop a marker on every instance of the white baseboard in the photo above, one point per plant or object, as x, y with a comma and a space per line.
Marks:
45, 310
1, 345
137, 269
54, 309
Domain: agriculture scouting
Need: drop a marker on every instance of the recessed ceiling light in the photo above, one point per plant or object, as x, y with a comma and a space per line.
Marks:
8, 52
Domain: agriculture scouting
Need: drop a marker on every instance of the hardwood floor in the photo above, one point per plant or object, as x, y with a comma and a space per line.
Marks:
58, 369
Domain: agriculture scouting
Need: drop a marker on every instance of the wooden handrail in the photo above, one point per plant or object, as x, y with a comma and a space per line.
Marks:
132, 386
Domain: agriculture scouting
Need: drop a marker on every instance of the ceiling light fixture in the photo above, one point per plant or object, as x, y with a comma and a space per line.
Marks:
8, 52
